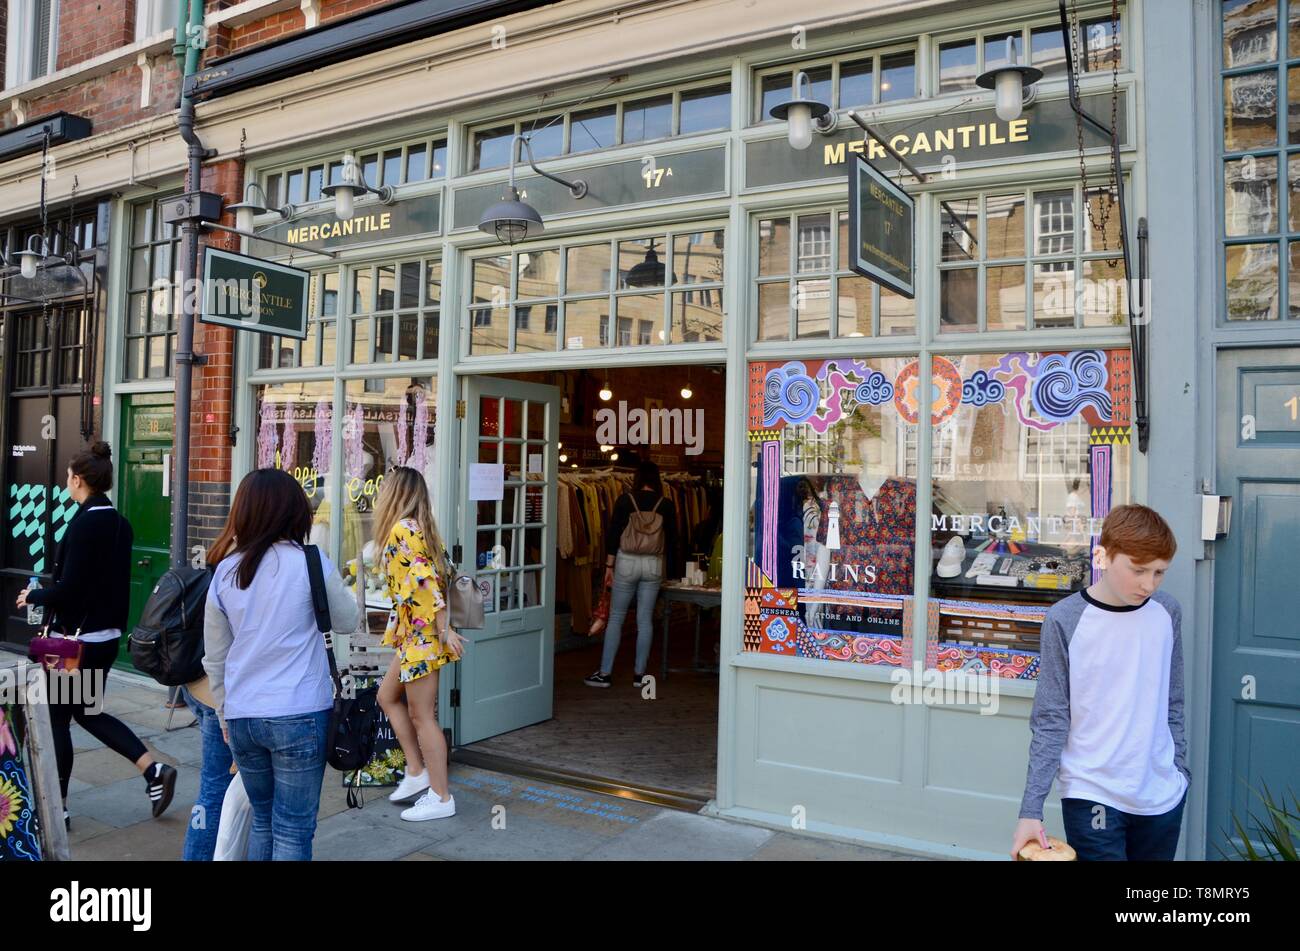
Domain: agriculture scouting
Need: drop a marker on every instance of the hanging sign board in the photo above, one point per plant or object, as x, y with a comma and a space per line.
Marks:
881, 228
252, 294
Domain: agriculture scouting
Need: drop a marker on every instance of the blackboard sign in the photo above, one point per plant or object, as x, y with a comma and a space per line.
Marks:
881, 228
252, 294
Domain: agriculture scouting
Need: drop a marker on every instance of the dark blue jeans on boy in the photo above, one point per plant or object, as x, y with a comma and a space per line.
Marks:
1122, 836
214, 777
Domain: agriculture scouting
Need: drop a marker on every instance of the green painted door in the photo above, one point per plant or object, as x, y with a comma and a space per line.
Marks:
1255, 710
143, 495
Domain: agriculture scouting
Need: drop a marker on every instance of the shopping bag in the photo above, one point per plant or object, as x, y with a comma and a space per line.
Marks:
236, 822
600, 616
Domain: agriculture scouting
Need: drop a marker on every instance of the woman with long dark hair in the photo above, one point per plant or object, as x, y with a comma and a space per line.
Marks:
266, 662
636, 574
414, 561
91, 593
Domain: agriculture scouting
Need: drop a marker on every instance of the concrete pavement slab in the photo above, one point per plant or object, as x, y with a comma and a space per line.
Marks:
124, 803
788, 847
682, 836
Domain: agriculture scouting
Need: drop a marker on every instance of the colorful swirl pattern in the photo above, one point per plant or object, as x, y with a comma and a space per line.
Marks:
789, 393
981, 389
1066, 384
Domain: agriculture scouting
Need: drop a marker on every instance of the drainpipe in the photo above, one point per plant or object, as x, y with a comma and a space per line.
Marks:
185, 358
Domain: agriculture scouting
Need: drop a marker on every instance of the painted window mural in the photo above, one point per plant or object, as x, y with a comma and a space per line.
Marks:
1029, 451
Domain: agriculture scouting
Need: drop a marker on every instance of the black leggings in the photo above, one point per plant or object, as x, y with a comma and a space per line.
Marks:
110, 731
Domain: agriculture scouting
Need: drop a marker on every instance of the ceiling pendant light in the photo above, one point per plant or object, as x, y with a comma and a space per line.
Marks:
687, 392
606, 394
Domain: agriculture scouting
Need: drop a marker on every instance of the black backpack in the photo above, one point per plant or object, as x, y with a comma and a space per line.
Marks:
167, 644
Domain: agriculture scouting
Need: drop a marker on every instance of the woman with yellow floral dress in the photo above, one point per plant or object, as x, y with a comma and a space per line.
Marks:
414, 561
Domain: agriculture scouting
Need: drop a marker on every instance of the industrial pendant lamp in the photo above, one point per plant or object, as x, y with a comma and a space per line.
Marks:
511, 220
803, 112
31, 256
353, 186
248, 209
1008, 83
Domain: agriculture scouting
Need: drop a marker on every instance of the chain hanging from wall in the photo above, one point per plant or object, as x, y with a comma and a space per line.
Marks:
1080, 54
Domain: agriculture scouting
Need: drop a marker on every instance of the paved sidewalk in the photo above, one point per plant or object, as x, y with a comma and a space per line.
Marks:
498, 816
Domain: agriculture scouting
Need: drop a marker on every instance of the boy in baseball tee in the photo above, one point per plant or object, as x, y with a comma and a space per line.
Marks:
1107, 720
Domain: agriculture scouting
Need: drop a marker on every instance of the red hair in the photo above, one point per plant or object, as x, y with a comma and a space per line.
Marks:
1139, 532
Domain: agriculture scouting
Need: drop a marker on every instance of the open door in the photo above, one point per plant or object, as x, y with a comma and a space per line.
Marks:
508, 543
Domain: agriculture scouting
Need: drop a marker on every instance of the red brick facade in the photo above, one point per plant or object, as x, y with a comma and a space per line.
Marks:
88, 28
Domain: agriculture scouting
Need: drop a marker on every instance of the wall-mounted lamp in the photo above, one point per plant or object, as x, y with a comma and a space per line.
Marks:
511, 220
32, 256
1009, 83
803, 113
248, 209
354, 184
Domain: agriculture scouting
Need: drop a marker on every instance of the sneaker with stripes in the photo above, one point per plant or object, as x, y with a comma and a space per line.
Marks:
160, 780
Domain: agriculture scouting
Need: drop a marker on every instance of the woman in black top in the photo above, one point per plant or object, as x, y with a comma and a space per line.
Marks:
91, 594
634, 575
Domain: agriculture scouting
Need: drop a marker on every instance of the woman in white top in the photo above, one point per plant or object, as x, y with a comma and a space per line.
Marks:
266, 662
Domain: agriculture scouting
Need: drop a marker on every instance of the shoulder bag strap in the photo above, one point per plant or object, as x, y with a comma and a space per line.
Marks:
321, 605
632, 496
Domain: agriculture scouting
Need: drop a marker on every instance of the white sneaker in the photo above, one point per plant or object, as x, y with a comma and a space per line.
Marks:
430, 807
410, 786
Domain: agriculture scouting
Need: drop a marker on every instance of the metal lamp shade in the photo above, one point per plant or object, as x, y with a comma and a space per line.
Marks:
511, 221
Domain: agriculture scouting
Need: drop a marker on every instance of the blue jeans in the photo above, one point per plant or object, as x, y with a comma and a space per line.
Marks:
1123, 836
636, 576
214, 777
282, 760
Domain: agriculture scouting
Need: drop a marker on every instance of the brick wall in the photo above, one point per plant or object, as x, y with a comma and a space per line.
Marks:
210, 416
112, 100
88, 28
292, 21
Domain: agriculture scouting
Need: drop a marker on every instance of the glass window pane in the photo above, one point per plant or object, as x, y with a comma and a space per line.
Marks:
1250, 195
1101, 230
295, 435
640, 320
1251, 276
586, 324
812, 306
593, 129
135, 359
432, 282
430, 320
1293, 105
362, 290
1054, 294
1293, 275
408, 282
489, 330
539, 274
492, 147
370, 167
956, 66
1047, 51
897, 314
843, 241
417, 169
704, 110
897, 77
1017, 514
309, 352
1004, 226
856, 84
295, 180
854, 306
1054, 222
392, 169
439, 166
530, 328
814, 248
1105, 293
158, 353
361, 340
773, 247
328, 343
315, 179
140, 269
774, 311
697, 257
1250, 111
959, 300
1249, 32
587, 269
959, 219
648, 119
641, 263
697, 315
996, 52
1293, 30
385, 298
384, 338
273, 197
492, 280
1004, 297
546, 137
408, 336
138, 313
142, 230
776, 89
1103, 44
329, 294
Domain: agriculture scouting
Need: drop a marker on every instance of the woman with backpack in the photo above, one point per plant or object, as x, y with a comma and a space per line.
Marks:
414, 561
91, 595
265, 659
637, 543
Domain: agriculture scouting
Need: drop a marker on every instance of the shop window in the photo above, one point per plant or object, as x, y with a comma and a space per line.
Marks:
898, 77
1041, 457
957, 66
1042, 46
804, 287
668, 289
398, 164
394, 312
320, 346
701, 108
1073, 261
1261, 221
842, 83
832, 545
154, 255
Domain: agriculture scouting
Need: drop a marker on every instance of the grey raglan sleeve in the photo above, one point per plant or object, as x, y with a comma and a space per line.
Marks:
1050, 719
217, 638
1176, 725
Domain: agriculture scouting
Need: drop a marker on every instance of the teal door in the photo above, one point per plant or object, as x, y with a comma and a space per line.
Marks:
143, 495
507, 540
1255, 706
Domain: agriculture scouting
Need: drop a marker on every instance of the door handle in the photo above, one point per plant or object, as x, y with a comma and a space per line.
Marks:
144, 563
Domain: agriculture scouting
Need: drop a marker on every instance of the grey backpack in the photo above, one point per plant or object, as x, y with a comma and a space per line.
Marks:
644, 534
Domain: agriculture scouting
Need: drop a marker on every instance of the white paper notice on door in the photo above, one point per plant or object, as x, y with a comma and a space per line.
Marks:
535, 462
487, 481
